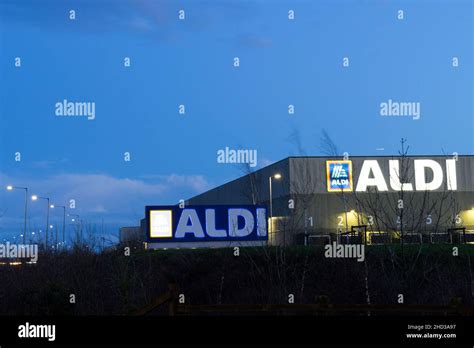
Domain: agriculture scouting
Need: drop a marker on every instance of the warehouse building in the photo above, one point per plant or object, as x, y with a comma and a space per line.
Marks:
370, 199
360, 199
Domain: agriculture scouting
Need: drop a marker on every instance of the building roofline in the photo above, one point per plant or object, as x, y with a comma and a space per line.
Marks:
240, 177
371, 156
322, 157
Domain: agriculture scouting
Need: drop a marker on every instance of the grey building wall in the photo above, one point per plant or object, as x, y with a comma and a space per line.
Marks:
309, 173
308, 179
249, 189
317, 211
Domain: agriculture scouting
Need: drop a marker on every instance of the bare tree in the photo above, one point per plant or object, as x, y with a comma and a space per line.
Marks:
252, 190
328, 147
407, 211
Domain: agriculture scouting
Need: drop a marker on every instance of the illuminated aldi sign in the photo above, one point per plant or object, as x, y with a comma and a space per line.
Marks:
206, 223
339, 175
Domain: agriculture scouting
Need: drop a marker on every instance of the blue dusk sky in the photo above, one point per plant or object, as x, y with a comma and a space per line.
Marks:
191, 62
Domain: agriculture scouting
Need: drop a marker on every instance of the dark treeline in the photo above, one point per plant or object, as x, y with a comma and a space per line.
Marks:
112, 283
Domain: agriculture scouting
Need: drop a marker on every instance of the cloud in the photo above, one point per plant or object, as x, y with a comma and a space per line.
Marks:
48, 164
197, 182
92, 16
155, 19
106, 194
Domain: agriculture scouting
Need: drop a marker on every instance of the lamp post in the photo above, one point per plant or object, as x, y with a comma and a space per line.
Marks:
79, 222
74, 217
64, 221
276, 176
35, 198
11, 188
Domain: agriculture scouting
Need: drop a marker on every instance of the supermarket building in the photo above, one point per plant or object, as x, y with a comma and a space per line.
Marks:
374, 199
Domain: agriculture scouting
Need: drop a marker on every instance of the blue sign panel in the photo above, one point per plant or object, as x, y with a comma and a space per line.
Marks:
205, 223
339, 175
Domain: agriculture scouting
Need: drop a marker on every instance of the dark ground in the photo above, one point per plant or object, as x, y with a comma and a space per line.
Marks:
112, 283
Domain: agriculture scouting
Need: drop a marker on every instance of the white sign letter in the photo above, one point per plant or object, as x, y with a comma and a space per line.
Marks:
183, 227
420, 175
234, 230
395, 183
364, 180
211, 225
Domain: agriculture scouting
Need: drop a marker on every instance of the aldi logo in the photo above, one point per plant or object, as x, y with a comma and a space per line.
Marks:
206, 223
339, 175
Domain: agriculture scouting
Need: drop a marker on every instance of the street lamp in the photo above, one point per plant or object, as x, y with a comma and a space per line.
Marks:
76, 218
35, 198
64, 221
276, 176
11, 188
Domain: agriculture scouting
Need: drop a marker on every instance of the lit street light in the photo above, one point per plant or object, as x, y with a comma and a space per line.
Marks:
276, 176
35, 198
64, 221
76, 218
11, 188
